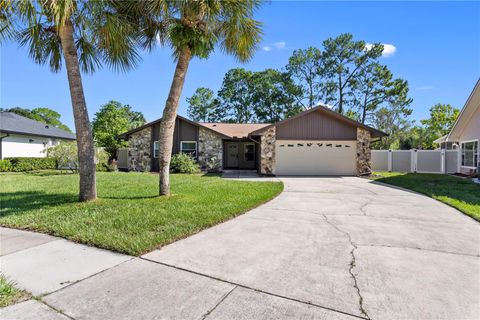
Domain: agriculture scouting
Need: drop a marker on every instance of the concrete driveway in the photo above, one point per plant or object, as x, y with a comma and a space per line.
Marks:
326, 248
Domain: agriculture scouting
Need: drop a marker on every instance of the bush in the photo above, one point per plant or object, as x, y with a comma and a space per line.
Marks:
29, 164
101, 161
66, 155
184, 163
5, 166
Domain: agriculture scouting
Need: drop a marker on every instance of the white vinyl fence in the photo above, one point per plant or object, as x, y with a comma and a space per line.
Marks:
423, 161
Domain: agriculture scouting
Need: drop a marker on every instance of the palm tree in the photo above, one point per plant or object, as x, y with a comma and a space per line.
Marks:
86, 34
193, 29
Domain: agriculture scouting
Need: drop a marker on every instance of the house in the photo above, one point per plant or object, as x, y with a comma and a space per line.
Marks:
318, 141
23, 137
465, 133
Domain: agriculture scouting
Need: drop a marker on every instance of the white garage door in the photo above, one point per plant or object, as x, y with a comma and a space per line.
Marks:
315, 157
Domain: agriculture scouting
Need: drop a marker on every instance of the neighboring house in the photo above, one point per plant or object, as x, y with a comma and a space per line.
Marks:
466, 133
318, 141
23, 137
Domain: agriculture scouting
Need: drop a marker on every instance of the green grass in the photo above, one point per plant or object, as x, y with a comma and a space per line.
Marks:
128, 217
8, 293
459, 193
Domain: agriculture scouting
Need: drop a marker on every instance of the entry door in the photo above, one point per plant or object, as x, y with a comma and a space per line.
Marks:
232, 155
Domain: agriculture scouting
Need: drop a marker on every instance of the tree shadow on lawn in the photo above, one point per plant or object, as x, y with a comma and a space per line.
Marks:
49, 172
19, 202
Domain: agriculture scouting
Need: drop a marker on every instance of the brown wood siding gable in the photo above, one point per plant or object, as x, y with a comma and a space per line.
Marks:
316, 126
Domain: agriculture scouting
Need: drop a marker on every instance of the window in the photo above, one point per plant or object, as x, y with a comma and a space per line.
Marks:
189, 147
469, 153
249, 150
155, 149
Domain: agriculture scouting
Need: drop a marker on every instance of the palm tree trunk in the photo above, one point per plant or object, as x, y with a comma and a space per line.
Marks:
86, 149
167, 125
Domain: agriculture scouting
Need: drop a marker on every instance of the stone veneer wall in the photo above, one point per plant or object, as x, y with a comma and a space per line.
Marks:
210, 150
267, 152
139, 154
364, 154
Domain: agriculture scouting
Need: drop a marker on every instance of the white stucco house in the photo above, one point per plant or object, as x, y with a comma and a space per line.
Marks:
23, 137
465, 134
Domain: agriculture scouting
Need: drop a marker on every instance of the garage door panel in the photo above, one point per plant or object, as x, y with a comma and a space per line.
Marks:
303, 157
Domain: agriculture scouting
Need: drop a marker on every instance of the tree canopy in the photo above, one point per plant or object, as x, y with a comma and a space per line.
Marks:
345, 74
113, 119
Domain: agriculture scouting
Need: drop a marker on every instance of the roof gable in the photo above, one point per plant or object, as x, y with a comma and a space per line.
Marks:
13, 123
152, 123
469, 109
330, 113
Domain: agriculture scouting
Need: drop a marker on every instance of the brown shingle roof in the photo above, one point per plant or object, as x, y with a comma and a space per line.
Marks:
234, 130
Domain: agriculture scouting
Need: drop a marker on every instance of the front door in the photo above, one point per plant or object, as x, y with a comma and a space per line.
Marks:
232, 155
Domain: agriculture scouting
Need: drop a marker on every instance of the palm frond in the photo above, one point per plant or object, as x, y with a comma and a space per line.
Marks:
43, 45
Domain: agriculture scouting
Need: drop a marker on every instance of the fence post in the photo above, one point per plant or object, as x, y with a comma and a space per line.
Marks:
442, 161
389, 160
413, 160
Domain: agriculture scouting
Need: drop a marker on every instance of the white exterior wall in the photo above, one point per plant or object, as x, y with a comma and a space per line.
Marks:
471, 132
26, 146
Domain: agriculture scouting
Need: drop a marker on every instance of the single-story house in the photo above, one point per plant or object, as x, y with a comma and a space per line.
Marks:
318, 141
465, 134
23, 137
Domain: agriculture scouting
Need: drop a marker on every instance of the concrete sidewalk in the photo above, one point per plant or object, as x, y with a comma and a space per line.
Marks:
58, 272
326, 248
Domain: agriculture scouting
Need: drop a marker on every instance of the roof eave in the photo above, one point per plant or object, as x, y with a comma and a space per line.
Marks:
37, 135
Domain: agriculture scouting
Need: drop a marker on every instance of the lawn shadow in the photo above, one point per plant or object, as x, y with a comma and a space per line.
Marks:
18, 202
46, 173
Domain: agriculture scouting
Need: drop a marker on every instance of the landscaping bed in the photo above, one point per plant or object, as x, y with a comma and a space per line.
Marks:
128, 216
457, 192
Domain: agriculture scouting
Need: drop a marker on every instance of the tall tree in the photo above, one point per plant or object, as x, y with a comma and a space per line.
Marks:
236, 96
193, 29
303, 67
203, 106
342, 61
85, 34
442, 118
375, 87
112, 120
393, 120
273, 96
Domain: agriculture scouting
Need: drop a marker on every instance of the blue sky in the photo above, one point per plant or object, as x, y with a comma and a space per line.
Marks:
436, 47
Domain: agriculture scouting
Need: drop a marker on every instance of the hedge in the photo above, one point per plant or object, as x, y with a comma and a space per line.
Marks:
5, 166
28, 164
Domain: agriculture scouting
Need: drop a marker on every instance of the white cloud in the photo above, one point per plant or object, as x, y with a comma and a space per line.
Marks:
388, 49
280, 45
425, 88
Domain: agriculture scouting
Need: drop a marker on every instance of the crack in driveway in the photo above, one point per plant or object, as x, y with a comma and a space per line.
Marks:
352, 266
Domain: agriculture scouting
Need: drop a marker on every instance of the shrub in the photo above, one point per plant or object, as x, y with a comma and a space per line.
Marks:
102, 163
29, 164
184, 163
5, 166
66, 155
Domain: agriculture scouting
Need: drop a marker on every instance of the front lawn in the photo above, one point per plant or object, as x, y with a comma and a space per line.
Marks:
460, 193
9, 294
128, 217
